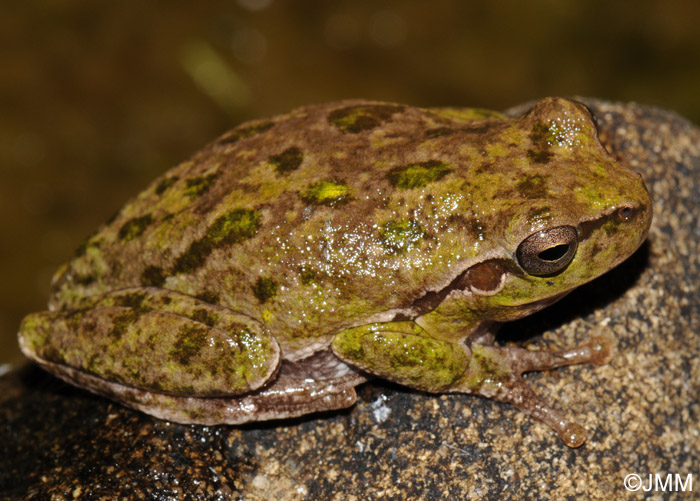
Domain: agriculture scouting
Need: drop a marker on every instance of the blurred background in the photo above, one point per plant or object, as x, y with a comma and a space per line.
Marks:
98, 98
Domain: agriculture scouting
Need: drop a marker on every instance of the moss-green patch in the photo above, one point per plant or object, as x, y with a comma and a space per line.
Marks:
190, 341
417, 175
199, 185
326, 193
134, 227
287, 161
354, 119
245, 131
533, 187
265, 288
231, 228
165, 184
153, 276
398, 237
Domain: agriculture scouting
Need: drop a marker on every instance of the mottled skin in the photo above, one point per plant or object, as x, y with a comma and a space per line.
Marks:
295, 256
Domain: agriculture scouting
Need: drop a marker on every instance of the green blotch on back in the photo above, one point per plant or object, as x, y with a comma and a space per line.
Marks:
287, 161
264, 288
326, 193
229, 229
417, 175
134, 227
354, 119
398, 237
199, 185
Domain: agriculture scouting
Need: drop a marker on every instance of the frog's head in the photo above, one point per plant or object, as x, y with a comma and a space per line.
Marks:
563, 212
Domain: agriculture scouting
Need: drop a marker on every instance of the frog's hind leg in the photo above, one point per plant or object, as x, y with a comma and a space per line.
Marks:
496, 373
318, 383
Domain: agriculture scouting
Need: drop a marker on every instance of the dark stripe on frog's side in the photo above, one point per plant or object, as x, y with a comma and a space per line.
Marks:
354, 119
610, 222
231, 228
287, 161
484, 276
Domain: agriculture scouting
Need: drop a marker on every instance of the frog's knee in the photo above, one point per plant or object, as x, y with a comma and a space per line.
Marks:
402, 353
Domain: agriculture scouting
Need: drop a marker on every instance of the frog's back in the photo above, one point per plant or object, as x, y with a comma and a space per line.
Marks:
309, 221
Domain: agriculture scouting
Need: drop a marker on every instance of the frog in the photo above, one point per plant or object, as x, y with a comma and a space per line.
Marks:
299, 256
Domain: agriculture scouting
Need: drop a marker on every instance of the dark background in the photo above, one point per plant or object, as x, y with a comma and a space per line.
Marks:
98, 98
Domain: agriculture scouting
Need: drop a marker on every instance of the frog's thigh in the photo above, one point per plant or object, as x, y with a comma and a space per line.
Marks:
158, 341
402, 352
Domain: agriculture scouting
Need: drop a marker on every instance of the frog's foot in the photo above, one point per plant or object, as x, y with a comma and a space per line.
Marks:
496, 373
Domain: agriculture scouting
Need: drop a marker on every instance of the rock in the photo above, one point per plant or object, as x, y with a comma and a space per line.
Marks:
642, 411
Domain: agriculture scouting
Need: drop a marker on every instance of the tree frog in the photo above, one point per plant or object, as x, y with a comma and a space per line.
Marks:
295, 257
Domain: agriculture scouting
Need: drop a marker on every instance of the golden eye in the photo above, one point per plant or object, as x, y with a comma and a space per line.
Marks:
548, 251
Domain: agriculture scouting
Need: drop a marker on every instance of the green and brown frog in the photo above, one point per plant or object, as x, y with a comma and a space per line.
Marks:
296, 257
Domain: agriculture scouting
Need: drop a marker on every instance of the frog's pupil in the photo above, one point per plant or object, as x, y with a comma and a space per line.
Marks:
554, 253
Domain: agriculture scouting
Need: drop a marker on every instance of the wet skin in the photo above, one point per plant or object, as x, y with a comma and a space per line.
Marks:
297, 256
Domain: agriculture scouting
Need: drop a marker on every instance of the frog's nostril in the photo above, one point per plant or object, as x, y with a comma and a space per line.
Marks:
626, 213
548, 251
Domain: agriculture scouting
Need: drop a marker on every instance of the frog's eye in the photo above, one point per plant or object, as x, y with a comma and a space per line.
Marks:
548, 251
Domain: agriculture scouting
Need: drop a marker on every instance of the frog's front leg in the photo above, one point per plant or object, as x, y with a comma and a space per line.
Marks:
405, 353
153, 340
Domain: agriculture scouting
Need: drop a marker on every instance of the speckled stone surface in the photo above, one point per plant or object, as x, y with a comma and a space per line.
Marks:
642, 411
